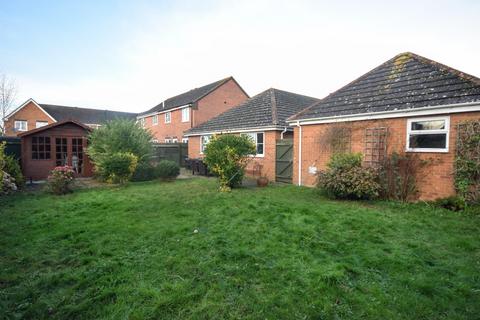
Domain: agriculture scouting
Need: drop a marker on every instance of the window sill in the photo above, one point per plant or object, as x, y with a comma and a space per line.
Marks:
421, 150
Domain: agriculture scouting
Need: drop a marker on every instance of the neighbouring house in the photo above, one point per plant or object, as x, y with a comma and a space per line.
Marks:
262, 117
171, 118
409, 104
31, 115
57, 144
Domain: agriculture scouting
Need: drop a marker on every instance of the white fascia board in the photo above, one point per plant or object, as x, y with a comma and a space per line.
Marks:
24, 104
414, 112
206, 133
164, 111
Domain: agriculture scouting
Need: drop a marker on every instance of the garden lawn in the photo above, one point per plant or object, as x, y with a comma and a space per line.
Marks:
275, 253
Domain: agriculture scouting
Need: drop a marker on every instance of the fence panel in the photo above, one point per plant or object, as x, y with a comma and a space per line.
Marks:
13, 146
177, 152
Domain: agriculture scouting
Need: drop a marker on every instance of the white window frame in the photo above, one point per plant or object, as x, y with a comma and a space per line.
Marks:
420, 132
21, 127
168, 117
168, 140
202, 145
184, 140
142, 122
254, 136
174, 140
154, 141
155, 120
185, 114
39, 124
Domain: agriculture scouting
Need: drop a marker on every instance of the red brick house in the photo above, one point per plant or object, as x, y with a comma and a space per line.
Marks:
31, 115
263, 118
409, 104
57, 144
171, 118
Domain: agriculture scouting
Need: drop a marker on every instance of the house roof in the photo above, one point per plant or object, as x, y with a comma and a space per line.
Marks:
53, 125
84, 115
269, 108
405, 82
188, 97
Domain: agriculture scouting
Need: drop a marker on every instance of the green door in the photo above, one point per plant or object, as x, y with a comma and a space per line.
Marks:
284, 161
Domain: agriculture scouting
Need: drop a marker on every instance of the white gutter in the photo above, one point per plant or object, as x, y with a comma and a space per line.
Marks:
299, 154
236, 131
281, 134
160, 112
425, 111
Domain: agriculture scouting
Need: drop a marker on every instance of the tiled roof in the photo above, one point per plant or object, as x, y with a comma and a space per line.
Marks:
269, 108
406, 81
187, 97
84, 115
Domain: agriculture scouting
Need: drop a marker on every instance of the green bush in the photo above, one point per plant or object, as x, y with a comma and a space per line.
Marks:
12, 167
119, 167
227, 156
145, 171
118, 137
2, 163
453, 203
167, 170
345, 178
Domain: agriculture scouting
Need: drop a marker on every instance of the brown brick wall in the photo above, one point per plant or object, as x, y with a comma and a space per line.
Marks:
31, 113
267, 162
221, 99
436, 182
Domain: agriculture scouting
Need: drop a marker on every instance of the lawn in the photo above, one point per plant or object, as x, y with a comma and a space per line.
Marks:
182, 250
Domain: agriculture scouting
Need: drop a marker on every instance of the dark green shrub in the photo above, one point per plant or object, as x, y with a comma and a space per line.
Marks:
453, 203
145, 171
167, 170
60, 180
12, 167
118, 137
119, 167
345, 178
227, 156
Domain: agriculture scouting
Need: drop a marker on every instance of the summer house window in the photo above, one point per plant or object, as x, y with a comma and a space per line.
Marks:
20, 125
41, 148
428, 134
258, 139
61, 152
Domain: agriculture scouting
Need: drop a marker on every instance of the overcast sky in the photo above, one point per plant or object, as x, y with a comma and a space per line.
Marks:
131, 55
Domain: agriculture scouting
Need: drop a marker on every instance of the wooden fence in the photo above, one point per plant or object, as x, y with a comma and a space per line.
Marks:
13, 146
177, 152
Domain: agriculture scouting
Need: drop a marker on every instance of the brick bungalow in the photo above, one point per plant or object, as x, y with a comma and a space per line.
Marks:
32, 115
409, 104
57, 144
171, 118
263, 118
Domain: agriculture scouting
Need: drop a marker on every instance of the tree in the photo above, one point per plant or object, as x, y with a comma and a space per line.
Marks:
8, 93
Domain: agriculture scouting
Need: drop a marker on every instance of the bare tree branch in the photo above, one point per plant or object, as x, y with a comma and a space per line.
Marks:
8, 93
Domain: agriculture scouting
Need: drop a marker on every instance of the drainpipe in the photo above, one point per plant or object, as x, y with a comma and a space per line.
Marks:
281, 135
299, 153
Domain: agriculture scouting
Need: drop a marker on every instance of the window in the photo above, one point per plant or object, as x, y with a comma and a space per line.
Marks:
142, 122
204, 140
155, 120
77, 154
39, 124
257, 138
41, 148
184, 140
186, 114
61, 151
168, 117
168, 140
20, 125
154, 140
428, 134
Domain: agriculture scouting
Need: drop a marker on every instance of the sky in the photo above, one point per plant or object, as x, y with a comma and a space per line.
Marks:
131, 55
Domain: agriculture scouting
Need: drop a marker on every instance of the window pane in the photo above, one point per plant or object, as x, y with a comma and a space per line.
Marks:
259, 137
47, 140
433, 141
34, 140
429, 125
260, 148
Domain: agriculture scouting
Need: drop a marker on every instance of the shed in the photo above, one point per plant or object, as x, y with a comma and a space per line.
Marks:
58, 144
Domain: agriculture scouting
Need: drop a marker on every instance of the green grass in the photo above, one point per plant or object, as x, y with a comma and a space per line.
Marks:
273, 253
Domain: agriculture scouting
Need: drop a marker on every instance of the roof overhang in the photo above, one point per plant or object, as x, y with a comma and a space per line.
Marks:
413, 112
163, 111
226, 131
25, 104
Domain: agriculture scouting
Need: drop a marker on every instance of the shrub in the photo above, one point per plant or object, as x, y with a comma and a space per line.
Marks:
119, 167
453, 203
227, 156
60, 180
2, 163
118, 137
167, 170
345, 178
12, 167
145, 171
